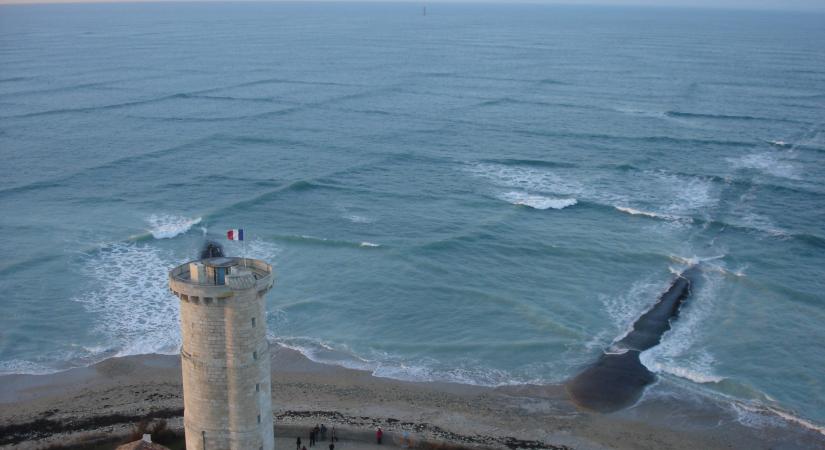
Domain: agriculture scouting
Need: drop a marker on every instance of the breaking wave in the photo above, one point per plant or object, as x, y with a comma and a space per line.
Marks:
537, 201
166, 226
678, 197
636, 212
315, 240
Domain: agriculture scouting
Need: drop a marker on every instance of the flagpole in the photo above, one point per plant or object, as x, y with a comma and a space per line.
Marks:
243, 246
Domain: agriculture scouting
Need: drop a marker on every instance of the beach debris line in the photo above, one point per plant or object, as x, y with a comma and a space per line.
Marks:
618, 378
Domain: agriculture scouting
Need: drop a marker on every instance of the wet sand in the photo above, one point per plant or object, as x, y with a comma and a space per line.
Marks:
107, 398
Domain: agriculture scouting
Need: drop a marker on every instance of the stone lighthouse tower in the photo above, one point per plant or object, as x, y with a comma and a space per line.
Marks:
225, 353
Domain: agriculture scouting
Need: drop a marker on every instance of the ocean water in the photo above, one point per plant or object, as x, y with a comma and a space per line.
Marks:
485, 194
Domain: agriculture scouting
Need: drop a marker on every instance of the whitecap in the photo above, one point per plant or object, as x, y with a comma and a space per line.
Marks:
616, 350
780, 143
167, 226
355, 218
641, 112
637, 212
537, 201
369, 244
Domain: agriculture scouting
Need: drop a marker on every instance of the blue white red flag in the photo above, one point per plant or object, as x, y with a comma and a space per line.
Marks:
235, 234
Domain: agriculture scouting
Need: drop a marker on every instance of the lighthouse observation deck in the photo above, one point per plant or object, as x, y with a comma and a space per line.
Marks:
217, 278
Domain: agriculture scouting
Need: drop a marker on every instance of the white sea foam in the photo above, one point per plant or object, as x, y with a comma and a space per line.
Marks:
616, 350
321, 352
369, 244
698, 372
422, 371
637, 212
687, 195
707, 265
779, 143
528, 179
677, 354
537, 201
356, 218
641, 112
166, 226
692, 260
382, 364
136, 311
769, 163
673, 198
798, 420
624, 308
749, 218
20, 366
764, 224
755, 415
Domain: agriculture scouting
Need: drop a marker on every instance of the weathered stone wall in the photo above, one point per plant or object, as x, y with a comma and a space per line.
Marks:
226, 367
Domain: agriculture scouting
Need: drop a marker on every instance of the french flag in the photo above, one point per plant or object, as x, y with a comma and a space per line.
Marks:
235, 235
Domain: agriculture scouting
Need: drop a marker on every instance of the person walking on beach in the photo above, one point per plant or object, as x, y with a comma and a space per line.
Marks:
378, 435
311, 438
317, 433
333, 437
331, 446
298, 444
323, 432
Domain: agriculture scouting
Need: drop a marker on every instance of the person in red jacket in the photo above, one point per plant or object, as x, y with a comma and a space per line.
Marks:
378, 435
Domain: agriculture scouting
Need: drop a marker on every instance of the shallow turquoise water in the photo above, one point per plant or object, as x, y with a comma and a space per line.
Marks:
487, 194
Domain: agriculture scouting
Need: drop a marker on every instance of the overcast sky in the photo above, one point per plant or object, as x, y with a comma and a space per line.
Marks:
737, 4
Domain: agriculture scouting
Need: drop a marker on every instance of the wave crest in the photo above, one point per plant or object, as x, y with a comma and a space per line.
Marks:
167, 226
637, 212
537, 201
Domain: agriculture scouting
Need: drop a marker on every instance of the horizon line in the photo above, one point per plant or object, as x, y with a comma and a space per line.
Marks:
804, 6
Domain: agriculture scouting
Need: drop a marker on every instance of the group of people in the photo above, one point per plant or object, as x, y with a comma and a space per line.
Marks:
319, 433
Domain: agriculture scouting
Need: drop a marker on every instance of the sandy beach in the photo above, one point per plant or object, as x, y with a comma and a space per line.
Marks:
108, 398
